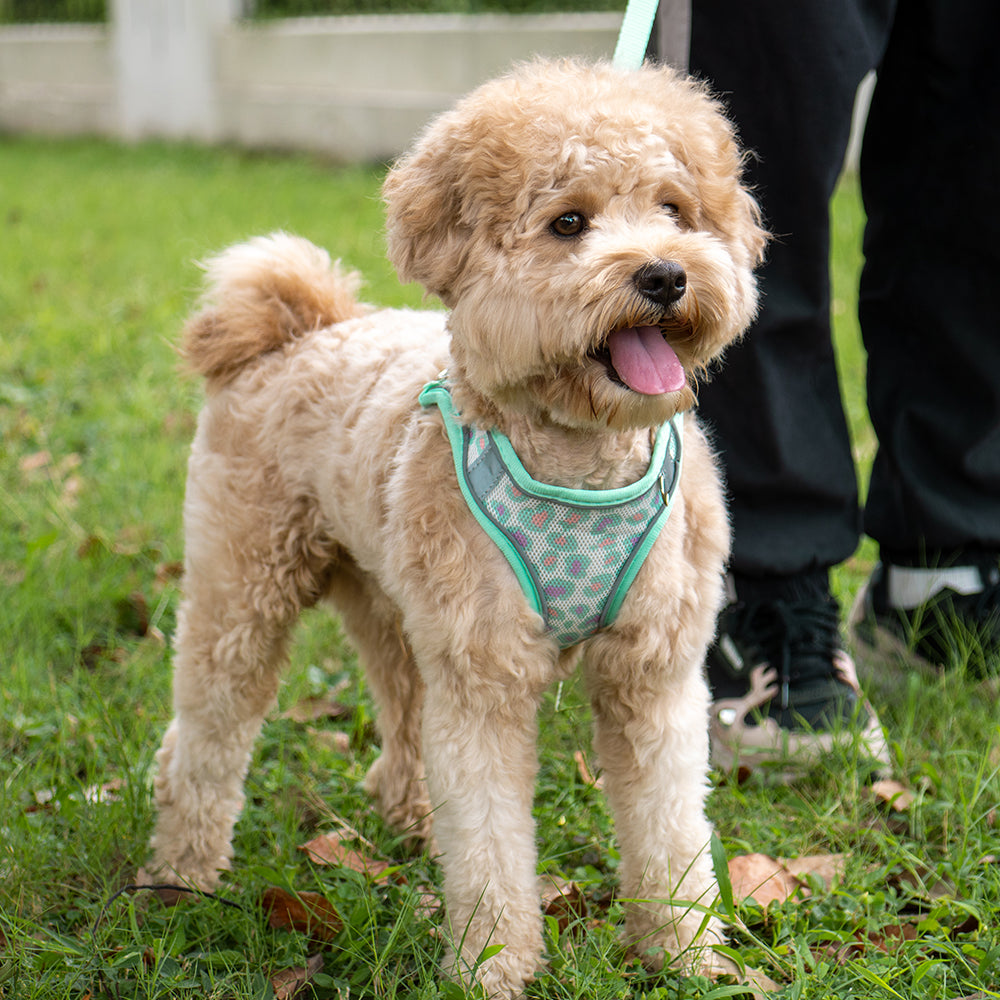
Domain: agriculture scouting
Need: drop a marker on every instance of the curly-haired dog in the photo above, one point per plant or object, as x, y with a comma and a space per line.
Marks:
587, 230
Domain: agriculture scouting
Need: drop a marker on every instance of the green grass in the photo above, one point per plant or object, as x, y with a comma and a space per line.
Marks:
96, 275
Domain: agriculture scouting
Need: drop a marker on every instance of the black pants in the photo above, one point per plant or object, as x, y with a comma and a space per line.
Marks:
929, 294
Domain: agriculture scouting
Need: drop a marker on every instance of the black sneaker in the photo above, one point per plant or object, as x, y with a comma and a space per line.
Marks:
944, 618
785, 692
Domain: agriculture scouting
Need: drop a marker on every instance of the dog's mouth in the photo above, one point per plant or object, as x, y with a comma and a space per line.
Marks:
641, 359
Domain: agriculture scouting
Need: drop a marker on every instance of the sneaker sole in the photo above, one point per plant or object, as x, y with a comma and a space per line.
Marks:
769, 746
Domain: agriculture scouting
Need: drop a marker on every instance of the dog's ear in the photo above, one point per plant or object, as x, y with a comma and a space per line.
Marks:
739, 216
715, 159
427, 237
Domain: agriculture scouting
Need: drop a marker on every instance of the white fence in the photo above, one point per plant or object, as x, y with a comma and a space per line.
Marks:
355, 88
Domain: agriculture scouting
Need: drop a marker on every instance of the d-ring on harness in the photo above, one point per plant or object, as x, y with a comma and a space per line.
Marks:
574, 552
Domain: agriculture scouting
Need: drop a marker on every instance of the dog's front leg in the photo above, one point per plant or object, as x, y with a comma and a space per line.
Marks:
480, 755
651, 740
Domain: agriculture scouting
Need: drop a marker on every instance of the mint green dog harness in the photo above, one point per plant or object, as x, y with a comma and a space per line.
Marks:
574, 552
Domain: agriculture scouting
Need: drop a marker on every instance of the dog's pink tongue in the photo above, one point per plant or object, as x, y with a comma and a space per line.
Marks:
645, 362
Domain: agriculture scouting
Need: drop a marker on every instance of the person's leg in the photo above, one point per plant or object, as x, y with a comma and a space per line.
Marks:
789, 74
930, 172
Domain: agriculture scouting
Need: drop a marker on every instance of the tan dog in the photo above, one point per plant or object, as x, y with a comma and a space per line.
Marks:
588, 232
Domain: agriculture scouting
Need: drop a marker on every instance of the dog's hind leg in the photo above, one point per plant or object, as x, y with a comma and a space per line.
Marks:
396, 780
247, 577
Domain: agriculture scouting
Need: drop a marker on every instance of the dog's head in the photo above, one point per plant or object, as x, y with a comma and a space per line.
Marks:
589, 231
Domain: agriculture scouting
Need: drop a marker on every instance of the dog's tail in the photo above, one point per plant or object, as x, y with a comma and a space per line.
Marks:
260, 295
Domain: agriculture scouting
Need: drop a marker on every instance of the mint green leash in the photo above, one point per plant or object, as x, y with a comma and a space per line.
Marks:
633, 38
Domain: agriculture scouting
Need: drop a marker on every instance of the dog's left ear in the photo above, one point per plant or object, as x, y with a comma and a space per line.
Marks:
727, 206
427, 237
749, 227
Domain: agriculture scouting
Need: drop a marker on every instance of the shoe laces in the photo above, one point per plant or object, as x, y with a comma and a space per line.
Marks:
799, 639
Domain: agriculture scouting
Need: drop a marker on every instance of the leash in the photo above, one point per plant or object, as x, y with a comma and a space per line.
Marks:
637, 25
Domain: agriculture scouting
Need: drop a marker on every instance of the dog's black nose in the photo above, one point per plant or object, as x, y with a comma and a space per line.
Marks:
663, 281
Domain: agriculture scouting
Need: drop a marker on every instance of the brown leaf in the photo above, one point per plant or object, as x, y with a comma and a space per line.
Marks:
289, 983
826, 867
924, 883
763, 878
893, 793
883, 940
309, 912
429, 903
328, 849
563, 900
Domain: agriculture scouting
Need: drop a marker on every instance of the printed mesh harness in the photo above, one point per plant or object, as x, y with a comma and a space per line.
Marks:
574, 552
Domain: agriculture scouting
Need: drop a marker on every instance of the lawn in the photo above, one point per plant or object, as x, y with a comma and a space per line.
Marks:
96, 274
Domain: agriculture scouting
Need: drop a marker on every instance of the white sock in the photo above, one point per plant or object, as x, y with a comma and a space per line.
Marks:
911, 586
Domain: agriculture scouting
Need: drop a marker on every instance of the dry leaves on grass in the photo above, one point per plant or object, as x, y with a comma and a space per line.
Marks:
767, 880
290, 983
892, 793
312, 913
330, 849
308, 912
563, 900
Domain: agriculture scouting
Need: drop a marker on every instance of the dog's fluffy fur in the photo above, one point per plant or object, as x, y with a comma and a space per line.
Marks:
316, 475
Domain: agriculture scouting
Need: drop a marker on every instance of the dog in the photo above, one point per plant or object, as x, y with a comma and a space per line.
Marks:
589, 235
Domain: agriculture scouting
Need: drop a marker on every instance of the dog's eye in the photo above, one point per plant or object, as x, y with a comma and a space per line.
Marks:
568, 224
671, 209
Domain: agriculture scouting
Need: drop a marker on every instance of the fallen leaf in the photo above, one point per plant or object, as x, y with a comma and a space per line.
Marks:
861, 942
328, 849
828, 868
924, 883
309, 912
763, 878
288, 983
893, 793
428, 905
563, 900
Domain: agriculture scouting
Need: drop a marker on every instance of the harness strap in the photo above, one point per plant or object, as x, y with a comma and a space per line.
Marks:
575, 553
